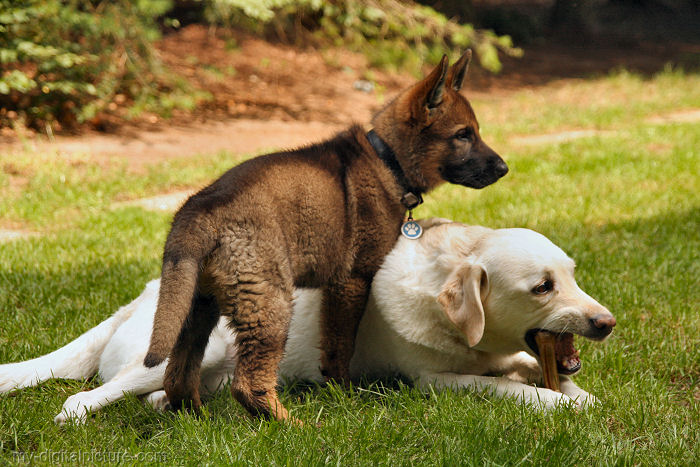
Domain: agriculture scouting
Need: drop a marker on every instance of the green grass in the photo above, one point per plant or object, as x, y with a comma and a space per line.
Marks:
625, 205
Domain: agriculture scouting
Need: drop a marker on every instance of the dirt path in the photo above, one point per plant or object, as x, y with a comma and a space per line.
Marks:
682, 116
142, 147
7, 235
166, 202
243, 136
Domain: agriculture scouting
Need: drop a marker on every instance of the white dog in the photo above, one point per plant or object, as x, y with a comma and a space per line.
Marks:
458, 303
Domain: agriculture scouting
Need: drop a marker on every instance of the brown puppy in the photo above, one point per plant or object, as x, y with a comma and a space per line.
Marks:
320, 216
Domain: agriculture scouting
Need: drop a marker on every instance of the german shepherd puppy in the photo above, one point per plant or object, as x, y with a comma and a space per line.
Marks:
321, 216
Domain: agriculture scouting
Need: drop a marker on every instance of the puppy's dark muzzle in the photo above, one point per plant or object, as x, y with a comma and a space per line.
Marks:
495, 166
480, 169
495, 163
495, 169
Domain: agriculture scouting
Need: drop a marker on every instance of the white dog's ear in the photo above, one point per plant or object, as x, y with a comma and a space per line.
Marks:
461, 300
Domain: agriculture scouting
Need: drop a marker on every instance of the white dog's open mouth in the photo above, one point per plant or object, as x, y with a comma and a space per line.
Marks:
568, 361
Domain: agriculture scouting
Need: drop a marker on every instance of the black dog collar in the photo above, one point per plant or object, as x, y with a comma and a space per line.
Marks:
411, 196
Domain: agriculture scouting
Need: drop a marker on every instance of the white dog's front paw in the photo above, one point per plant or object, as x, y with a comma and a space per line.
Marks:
65, 417
74, 411
547, 400
585, 400
158, 400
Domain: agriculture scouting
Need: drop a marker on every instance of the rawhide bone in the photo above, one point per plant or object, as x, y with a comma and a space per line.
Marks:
546, 342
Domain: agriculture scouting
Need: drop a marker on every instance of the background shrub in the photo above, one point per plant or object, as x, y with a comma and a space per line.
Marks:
391, 33
64, 61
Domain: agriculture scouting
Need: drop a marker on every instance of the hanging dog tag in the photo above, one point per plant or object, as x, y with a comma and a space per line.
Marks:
411, 229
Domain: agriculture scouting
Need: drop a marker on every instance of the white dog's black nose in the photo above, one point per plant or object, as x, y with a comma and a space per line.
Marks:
602, 325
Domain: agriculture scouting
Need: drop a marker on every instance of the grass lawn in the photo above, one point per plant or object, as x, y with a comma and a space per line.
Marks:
624, 203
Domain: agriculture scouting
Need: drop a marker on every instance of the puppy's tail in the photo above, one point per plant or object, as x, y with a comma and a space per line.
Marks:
76, 360
185, 251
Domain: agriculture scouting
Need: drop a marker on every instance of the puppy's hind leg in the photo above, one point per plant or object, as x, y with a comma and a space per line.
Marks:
260, 315
210, 383
182, 375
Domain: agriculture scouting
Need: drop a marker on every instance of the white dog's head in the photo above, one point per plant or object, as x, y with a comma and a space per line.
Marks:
506, 285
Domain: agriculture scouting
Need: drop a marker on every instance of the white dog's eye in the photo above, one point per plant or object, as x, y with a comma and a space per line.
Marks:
544, 287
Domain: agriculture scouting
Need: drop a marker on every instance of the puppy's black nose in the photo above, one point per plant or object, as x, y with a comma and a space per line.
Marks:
501, 168
602, 324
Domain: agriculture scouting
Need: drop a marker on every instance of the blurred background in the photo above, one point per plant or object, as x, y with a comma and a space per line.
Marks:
74, 66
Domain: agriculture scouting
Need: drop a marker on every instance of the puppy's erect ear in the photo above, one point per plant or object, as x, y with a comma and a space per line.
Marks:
461, 300
455, 77
428, 93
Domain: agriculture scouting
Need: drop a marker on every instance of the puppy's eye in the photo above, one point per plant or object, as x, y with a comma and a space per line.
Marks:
545, 287
465, 134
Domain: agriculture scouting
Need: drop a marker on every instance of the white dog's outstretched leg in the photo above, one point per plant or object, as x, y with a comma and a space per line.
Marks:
77, 360
526, 369
581, 397
498, 386
136, 379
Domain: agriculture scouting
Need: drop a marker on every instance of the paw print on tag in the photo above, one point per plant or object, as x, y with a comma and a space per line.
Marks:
411, 229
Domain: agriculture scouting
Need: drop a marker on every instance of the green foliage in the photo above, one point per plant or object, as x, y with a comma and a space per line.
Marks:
390, 33
260, 10
64, 61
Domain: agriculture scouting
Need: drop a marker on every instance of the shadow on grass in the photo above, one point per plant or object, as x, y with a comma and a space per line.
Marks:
654, 251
